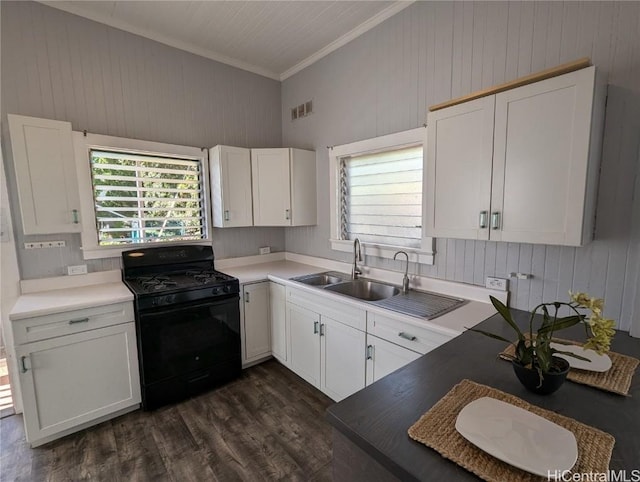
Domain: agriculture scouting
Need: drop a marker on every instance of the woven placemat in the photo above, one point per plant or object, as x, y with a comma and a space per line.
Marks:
436, 429
616, 379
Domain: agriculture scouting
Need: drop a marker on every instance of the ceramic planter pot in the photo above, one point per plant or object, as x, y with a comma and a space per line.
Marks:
550, 382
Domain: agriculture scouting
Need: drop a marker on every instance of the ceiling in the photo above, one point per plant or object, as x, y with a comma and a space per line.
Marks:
275, 39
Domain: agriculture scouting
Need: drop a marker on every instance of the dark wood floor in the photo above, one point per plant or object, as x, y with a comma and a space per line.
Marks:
268, 425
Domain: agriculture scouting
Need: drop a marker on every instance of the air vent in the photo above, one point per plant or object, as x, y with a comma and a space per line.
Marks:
301, 110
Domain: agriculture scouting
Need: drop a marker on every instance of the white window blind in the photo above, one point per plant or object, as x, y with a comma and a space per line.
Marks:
381, 197
146, 199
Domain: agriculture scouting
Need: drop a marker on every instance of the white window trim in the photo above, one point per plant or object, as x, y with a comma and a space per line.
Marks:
82, 146
424, 255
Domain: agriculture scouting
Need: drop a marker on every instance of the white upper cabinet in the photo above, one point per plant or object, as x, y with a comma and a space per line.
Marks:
230, 171
284, 187
45, 174
538, 145
458, 173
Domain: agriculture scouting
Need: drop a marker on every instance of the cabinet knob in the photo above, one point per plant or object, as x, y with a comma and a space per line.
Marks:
483, 219
407, 336
79, 320
369, 352
23, 366
495, 220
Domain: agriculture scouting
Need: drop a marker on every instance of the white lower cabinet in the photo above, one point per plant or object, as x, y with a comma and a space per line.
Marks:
384, 358
340, 348
256, 339
304, 334
341, 356
73, 381
278, 308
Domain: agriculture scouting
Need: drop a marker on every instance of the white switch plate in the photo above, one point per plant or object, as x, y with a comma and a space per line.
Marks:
45, 244
78, 269
496, 283
265, 250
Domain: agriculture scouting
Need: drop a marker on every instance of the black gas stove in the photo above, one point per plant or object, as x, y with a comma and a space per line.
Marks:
187, 321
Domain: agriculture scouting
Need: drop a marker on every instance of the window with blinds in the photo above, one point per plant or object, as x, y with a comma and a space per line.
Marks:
381, 197
146, 199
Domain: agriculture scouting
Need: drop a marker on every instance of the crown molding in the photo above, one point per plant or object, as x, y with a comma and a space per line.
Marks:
77, 9
348, 37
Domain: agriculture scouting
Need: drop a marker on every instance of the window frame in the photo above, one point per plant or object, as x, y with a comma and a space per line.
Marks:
84, 143
424, 254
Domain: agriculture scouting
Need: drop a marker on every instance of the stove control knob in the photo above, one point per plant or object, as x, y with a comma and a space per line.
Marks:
216, 290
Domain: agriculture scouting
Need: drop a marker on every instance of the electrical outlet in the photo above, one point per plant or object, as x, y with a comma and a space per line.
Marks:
265, 250
77, 269
45, 244
496, 283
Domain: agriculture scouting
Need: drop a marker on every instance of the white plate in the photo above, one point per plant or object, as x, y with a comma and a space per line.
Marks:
598, 363
518, 437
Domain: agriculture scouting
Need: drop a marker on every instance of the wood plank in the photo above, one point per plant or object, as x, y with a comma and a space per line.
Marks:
527, 79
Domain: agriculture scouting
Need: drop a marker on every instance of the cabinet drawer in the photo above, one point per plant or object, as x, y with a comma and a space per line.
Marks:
327, 306
68, 322
421, 340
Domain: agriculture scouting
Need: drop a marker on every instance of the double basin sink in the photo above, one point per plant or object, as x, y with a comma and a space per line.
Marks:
415, 303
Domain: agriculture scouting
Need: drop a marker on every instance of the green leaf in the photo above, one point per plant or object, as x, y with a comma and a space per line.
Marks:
568, 353
506, 314
544, 359
490, 335
561, 324
524, 352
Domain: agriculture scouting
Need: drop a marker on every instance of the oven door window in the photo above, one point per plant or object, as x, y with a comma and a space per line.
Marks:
185, 339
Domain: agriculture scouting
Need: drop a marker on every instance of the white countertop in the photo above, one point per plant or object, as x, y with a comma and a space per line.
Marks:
452, 323
56, 295
263, 271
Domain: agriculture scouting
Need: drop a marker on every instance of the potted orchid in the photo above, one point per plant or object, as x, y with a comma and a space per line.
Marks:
534, 362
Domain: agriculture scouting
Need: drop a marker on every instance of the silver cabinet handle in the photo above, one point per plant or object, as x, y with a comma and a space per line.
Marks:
369, 352
79, 320
495, 220
246, 297
406, 336
287, 214
321, 329
483, 219
23, 366
226, 215
315, 327
74, 214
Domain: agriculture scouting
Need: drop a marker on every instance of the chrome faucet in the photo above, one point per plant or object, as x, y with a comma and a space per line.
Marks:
405, 280
357, 256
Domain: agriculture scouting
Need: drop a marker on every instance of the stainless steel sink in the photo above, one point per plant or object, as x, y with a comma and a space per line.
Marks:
364, 290
320, 279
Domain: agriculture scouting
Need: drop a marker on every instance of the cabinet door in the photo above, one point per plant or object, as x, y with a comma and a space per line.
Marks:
45, 174
71, 380
457, 177
304, 340
384, 357
303, 188
342, 358
231, 187
271, 187
541, 150
279, 337
257, 329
